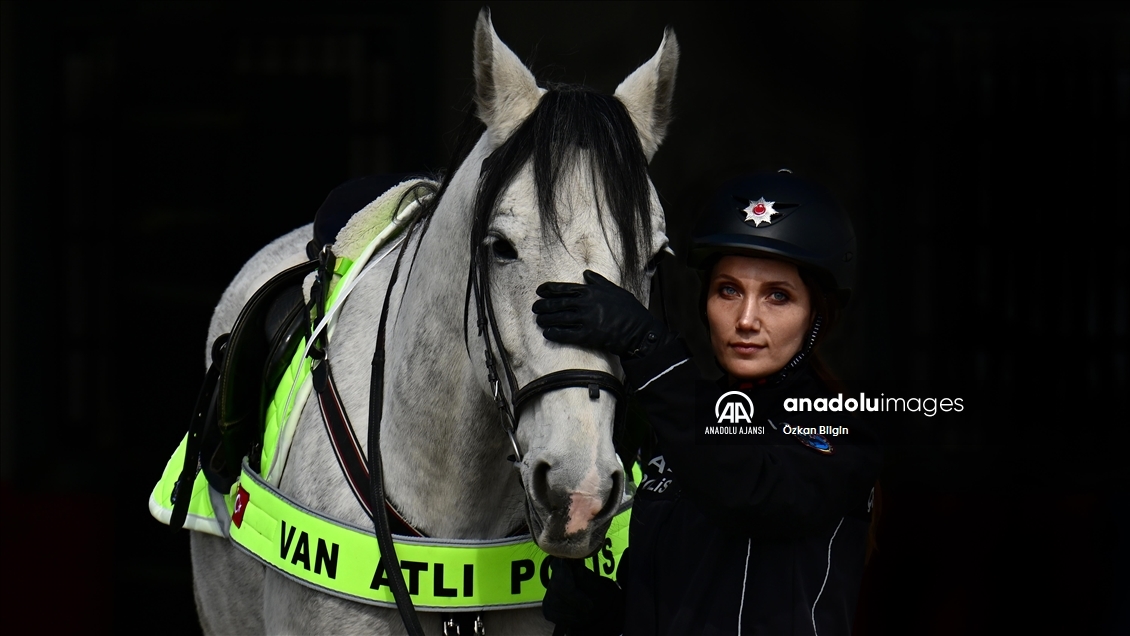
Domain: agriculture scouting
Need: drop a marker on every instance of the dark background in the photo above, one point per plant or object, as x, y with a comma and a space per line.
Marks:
149, 149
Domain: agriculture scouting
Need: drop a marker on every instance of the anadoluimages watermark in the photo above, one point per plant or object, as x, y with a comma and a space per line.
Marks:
882, 404
734, 419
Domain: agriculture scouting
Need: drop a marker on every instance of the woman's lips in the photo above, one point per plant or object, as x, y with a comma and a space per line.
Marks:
746, 348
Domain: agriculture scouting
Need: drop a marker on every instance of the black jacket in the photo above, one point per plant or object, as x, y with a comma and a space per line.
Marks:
760, 533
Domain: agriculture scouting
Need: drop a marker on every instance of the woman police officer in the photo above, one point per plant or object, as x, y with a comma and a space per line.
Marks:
748, 520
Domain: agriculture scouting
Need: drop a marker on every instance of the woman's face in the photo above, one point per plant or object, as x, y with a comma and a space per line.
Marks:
759, 312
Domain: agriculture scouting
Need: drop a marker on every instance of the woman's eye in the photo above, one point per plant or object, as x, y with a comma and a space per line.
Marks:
779, 297
727, 291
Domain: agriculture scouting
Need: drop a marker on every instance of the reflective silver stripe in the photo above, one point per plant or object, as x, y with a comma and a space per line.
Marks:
644, 386
829, 569
748, 544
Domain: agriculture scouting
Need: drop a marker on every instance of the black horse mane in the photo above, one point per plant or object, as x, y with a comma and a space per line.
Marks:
570, 124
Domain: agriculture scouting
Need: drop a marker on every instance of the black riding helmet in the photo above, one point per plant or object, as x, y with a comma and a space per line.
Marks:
779, 215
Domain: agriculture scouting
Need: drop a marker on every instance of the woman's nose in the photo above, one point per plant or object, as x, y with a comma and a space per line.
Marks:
748, 319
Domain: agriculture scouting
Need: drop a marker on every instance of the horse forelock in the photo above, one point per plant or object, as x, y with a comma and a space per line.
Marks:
574, 127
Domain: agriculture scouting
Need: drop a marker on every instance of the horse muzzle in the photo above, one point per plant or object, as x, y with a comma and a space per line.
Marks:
573, 480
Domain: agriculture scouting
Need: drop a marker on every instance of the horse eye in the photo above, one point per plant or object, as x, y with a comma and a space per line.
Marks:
503, 250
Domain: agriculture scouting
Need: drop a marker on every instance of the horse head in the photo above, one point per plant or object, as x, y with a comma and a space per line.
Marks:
562, 186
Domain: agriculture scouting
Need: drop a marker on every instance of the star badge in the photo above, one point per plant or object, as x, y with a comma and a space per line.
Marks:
759, 211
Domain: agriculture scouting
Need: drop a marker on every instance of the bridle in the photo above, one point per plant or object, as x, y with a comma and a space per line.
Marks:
510, 410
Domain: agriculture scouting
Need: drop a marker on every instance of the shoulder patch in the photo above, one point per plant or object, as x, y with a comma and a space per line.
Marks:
816, 442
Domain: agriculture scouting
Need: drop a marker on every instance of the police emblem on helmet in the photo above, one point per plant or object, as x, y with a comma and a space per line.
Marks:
759, 211
778, 215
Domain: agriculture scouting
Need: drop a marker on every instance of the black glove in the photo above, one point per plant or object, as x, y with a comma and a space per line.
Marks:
581, 601
599, 315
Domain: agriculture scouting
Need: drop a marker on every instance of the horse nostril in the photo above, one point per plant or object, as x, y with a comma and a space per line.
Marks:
581, 505
612, 504
540, 483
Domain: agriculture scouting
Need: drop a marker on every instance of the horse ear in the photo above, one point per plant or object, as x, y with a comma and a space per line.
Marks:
648, 92
505, 90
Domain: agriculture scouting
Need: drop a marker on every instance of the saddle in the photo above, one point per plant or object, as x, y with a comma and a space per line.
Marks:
249, 361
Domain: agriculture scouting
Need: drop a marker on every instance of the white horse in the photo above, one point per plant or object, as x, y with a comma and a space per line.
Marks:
555, 185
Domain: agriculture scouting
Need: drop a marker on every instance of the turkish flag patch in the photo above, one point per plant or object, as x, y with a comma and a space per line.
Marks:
241, 499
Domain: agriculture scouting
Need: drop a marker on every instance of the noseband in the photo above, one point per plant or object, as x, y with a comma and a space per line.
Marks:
510, 410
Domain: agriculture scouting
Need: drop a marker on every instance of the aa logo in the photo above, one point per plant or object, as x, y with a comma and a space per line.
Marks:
733, 410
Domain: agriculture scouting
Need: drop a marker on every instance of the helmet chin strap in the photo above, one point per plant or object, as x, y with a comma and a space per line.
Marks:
801, 355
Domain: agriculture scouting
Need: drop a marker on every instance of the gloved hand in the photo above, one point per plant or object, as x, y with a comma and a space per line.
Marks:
598, 314
581, 601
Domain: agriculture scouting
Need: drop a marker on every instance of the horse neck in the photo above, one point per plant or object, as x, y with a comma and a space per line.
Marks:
449, 471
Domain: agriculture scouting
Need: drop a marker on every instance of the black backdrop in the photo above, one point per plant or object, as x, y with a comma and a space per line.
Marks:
150, 148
